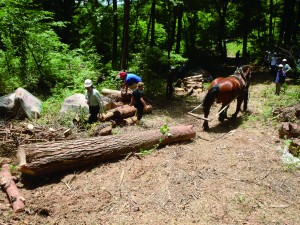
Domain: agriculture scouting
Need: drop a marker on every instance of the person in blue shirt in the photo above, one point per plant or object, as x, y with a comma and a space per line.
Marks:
94, 101
130, 80
280, 79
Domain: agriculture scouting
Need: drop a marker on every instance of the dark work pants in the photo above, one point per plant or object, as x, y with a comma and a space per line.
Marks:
94, 110
139, 112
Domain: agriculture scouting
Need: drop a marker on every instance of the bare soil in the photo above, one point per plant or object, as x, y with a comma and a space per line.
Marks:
231, 174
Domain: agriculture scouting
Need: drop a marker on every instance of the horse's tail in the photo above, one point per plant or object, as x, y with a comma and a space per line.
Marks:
211, 96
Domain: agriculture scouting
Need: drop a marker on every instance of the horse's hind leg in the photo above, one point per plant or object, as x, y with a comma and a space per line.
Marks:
223, 114
206, 113
238, 106
246, 98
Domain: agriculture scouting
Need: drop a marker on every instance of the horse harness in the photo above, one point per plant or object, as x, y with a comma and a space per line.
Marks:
242, 79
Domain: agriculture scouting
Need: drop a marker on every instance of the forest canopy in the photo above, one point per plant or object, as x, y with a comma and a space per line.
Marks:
50, 47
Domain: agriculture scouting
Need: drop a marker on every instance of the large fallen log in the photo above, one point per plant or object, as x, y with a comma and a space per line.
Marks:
7, 182
46, 158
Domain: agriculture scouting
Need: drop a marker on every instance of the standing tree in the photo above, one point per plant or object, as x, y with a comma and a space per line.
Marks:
115, 36
125, 40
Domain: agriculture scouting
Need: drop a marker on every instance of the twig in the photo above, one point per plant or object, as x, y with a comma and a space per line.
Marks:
66, 184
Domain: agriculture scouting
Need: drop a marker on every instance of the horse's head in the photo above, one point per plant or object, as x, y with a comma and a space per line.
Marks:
245, 72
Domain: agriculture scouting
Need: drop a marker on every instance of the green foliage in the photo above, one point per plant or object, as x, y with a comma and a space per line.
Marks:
165, 130
287, 142
13, 169
272, 102
33, 56
144, 152
153, 65
240, 198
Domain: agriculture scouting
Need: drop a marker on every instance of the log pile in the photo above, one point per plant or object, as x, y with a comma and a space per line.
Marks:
45, 158
192, 85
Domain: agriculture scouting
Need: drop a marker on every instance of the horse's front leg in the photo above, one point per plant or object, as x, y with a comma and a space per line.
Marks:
246, 98
206, 113
238, 106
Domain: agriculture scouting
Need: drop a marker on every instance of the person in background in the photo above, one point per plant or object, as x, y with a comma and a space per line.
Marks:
280, 79
94, 101
273, 65
137, 101
130, 80
267, 59
286, 67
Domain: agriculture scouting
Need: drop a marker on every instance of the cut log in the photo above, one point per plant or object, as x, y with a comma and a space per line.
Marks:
129, 121
7, 182
289, 130
119, 113
117, 95
122, 112
51, 157
103, 129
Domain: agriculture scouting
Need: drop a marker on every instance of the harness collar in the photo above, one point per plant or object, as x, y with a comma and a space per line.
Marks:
241, 78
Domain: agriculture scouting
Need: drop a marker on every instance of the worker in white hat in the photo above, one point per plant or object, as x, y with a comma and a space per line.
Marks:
280, 79
94, 101
286, 67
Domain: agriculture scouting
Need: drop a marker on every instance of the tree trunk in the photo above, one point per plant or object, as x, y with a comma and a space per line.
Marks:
115, 36
271, 37
125, 35
46, 158
153, 12
7, 182
179, 29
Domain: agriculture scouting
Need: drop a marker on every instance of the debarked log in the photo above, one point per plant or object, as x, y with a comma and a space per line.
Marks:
7, 182
46, 158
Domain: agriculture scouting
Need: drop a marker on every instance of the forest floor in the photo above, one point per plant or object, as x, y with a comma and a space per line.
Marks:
232, 174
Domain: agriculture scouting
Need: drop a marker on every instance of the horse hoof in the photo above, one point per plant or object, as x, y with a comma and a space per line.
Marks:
205, 127
234, 116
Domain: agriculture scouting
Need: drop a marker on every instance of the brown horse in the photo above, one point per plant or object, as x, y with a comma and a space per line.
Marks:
225, 90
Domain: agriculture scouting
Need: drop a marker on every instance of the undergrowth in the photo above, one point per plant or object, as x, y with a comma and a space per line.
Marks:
289, 96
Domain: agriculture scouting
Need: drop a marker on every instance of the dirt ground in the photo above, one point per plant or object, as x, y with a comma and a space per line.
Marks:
232, 174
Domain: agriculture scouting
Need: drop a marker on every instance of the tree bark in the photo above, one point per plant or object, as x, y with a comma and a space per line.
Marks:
48, 158
115, 36
125, 35
153, 16
7, 182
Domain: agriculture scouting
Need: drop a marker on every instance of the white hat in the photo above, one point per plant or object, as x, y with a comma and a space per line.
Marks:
280, 65
88, 83
284, 60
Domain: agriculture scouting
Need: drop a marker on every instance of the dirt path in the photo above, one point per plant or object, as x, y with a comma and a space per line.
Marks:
230, 175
